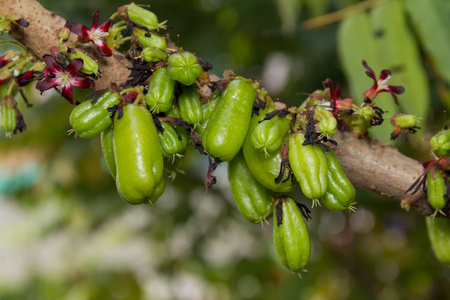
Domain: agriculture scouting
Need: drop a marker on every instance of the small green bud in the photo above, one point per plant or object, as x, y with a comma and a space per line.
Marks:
404, 121
141, 17
367, 113
8, 115
150, 54
90, 66
149, 39
440, 143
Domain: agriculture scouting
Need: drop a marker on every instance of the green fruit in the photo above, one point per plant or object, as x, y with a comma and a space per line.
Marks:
436, 189
309, 166
149, 39
440, 143
8, 115
341, 192
252, 199
327, 122
207, 109
90, 66
189, 104
184, 68
439, 234
152, 54
139, 161
269, 135
89, 119
265, 169
290, 235
173, 140
106, 138
161, 91
230, 120
141, 17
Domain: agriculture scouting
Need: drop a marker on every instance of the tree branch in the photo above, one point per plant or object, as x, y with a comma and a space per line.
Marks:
370, 164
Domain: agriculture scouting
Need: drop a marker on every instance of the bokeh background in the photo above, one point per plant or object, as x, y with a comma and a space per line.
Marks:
65, 233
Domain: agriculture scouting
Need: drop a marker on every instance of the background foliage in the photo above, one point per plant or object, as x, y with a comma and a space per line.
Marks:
66, 234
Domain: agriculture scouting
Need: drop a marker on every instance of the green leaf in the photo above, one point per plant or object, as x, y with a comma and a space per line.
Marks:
433, 29
399, 53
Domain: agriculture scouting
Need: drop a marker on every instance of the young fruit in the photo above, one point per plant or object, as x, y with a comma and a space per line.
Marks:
340, 192
252, 199
440, 143
184, 68
436, 190
106, 138
140, 16
173, 140
89, 119
265, 169
152, 54
161, 91
290, 235
327, 122
189, 104
149, 39
269, 134
439, 234
8, 117
309, 166
138, 157
207, 109
230, 120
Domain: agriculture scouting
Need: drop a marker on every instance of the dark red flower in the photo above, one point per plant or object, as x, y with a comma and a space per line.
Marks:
380, 84
64, 76
95, 34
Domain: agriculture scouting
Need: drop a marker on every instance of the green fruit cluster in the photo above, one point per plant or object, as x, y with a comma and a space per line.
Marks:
269, 149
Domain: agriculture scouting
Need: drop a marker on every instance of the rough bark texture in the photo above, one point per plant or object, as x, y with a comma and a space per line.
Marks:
370, 164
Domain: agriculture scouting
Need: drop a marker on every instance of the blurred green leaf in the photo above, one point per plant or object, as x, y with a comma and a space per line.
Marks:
398, 52
289, 11
317, 7
433, 29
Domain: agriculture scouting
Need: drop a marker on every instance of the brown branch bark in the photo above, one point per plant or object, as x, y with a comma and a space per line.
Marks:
370, 164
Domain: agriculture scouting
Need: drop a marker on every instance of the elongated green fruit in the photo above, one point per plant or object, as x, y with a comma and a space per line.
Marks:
309, 166
265, 169
173, 140
290, 235
341, 192
436, 189
226, 131
149, 39
161, 90
439, 234
106, 138
89, 119
252, 198
138, 156
189, 103
8, 117
207, 109
269, 135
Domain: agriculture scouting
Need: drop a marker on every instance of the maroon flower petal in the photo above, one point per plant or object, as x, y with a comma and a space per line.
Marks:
397, 89
25, 78
105, 26
22, 22
95, 17
79, 29
47, 84
369, 71
51, 63
103, 48
384, 74
67, 93
84, 83
74, 66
